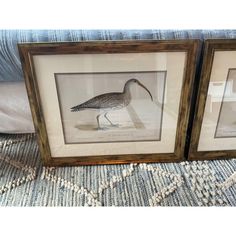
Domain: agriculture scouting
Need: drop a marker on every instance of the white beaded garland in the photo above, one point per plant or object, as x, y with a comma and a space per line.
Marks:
204, 184
177, 182
91, 197
201, 177
14, 183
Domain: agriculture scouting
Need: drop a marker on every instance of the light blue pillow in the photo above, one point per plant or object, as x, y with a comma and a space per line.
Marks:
10, 66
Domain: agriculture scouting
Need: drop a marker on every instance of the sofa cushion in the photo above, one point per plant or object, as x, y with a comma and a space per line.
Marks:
10, 66
15, 115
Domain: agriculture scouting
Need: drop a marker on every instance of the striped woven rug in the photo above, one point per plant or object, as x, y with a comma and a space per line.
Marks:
25, 182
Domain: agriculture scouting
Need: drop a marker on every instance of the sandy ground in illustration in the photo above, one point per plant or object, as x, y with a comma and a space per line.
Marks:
141, 120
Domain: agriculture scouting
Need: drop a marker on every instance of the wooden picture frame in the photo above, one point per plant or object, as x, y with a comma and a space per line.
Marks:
56, 73
213, 129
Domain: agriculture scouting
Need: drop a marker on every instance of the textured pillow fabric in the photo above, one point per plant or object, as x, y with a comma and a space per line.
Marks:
15, 115
10, 66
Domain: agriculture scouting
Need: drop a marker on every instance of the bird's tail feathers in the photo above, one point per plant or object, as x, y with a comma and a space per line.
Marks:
76, 108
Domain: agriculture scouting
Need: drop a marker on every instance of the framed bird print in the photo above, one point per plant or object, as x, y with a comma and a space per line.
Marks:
214, 127
107, 102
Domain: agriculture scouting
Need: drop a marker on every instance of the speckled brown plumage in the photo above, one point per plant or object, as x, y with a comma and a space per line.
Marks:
110, 101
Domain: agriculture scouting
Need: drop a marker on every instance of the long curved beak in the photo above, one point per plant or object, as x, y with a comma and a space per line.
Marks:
145, 89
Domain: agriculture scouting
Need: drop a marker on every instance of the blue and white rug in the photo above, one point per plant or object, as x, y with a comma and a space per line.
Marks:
24, 182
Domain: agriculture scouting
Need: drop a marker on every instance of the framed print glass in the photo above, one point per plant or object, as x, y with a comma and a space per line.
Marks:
214, 127
105, 102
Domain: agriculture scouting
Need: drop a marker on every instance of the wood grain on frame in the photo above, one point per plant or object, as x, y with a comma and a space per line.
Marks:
211, 46
27, 51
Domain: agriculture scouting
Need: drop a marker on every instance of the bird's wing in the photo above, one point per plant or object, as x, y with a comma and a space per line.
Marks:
101, 101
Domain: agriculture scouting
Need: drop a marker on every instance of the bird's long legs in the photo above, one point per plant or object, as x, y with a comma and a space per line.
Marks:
98, 121
105, 115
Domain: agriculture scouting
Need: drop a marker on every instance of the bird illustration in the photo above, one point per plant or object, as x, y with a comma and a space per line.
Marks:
110, 101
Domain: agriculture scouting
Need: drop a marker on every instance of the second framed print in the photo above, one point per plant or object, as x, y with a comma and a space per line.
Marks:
106, 102
214, 128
